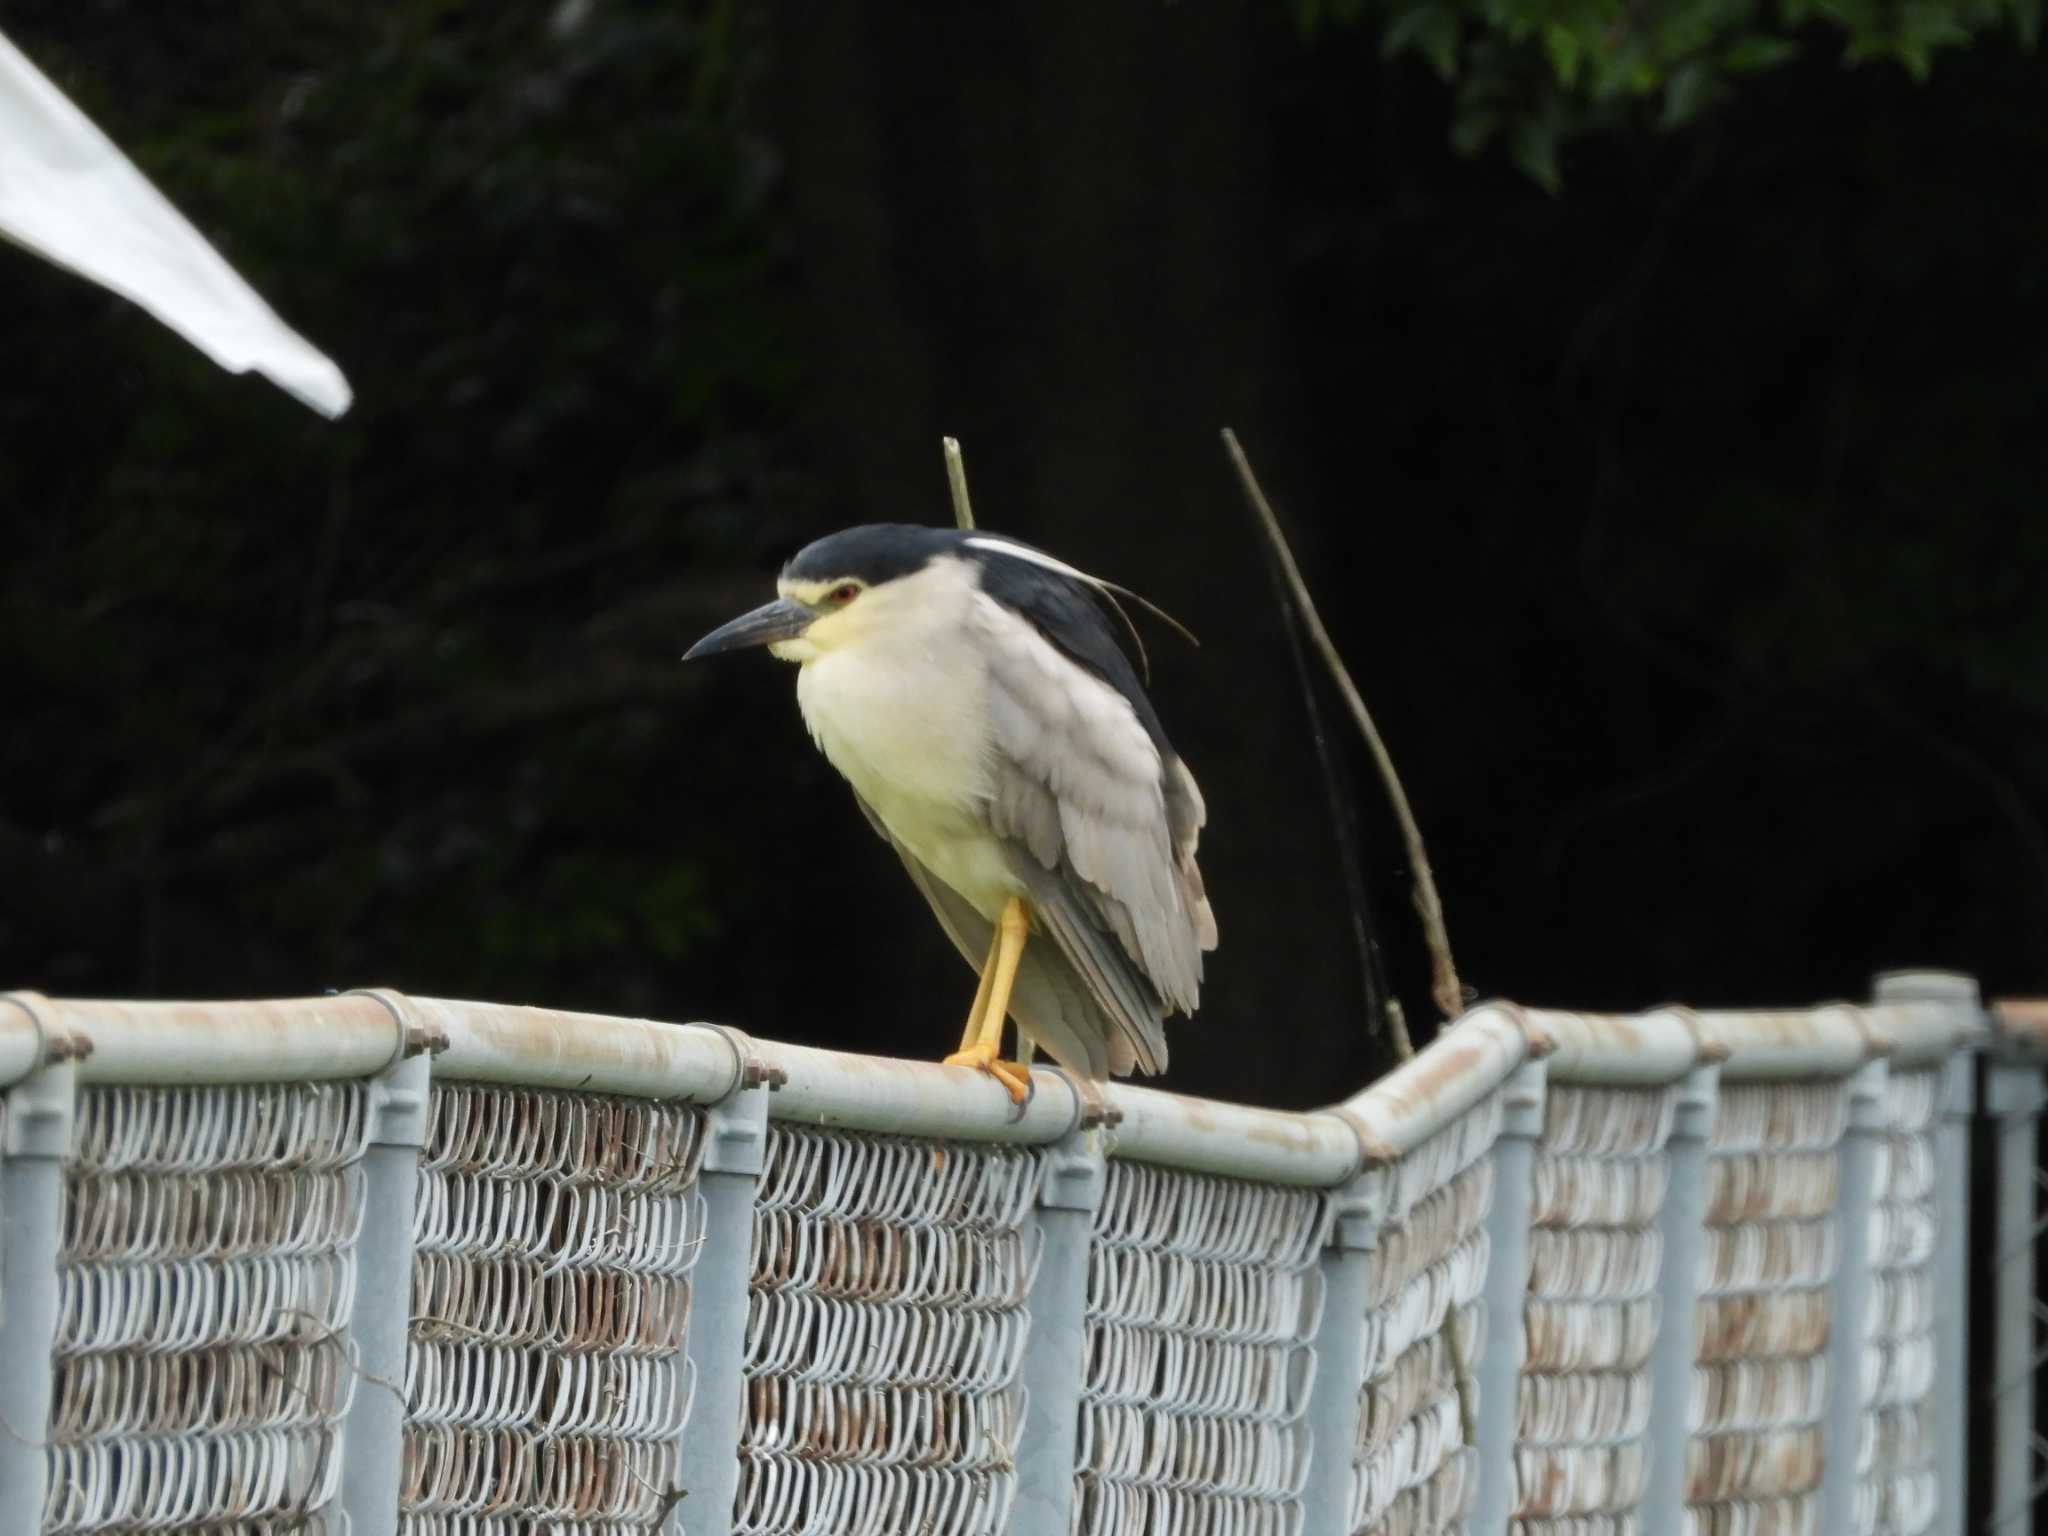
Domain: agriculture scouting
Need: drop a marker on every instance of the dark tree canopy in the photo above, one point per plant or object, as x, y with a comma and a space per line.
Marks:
1537, 74
1682, 524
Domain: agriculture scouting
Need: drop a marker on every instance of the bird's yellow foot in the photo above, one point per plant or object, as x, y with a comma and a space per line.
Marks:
1013, 1075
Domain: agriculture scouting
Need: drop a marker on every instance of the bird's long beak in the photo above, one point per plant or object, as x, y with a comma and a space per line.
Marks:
779, 620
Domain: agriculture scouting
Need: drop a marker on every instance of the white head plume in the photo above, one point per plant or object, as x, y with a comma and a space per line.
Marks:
1109, 590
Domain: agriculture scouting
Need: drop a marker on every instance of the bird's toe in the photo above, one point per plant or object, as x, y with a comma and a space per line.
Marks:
1016, 1079
1013, 1075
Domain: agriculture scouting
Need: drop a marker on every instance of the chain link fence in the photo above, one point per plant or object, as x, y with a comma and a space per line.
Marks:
2014, 1095
375, 1263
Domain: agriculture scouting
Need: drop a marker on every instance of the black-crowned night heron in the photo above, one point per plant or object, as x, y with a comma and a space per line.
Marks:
971, 690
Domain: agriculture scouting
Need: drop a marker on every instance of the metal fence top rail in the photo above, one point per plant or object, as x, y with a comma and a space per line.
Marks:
2022, 1024
1471, 1058
1619, 1050
1922, 1018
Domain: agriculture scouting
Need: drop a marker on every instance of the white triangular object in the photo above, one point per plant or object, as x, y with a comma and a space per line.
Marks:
68, 194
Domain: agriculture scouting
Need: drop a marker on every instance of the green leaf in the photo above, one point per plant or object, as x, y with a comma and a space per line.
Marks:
1584, 64
1690, 90
1756, 52
1432, 31
1563, 46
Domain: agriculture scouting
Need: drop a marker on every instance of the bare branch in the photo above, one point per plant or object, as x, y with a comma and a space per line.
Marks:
1448, 993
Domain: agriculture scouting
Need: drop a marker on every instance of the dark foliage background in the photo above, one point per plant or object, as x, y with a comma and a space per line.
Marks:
1682, 523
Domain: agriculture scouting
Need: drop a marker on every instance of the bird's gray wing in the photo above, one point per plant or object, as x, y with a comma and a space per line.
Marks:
1052, 1004
1103, 831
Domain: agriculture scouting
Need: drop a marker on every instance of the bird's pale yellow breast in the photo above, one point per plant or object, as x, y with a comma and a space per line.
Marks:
901, 709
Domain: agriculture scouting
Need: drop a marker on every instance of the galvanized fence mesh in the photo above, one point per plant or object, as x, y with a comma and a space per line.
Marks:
1411, 1468
1763, 1319
885, 1324
2014, 1100
201, 1364
1595, 1253
545, 1375
456, 1268
1897, 1453
1202, 1301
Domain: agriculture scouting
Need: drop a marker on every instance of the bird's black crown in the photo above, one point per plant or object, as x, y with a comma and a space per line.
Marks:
873, 552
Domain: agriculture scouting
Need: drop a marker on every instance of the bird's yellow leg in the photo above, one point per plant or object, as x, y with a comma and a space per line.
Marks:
1012, 929
972, 1032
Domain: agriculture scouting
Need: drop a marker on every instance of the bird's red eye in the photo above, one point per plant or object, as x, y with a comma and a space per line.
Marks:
845, 592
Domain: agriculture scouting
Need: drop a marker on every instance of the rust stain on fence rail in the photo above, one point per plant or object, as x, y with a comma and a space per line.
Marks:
300, 1039
1471, 1058
1786, 1043
2023, 1021
1642, 1049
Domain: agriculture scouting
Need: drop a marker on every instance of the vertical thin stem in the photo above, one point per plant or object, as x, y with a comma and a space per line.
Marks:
956, 477
1380, 1004
1448, 993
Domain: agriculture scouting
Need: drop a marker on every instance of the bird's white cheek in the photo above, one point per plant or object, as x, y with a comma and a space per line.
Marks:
799, 649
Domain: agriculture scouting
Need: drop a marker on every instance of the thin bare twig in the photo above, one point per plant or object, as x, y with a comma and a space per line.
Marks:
1448, 993
956, 477
1380, 1004
669, 1497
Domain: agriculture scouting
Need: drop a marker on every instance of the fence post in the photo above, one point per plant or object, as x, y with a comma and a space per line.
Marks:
1499, 1367
1682, 1229
2013, 1097
1951, 1399
1334, 1400
1056, 1359
1952, 1290
373, 1434
39, 1117
1849, 1300
735, 1151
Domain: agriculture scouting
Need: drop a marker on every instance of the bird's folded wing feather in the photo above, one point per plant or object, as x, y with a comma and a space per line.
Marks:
1080, 788
1055, 999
